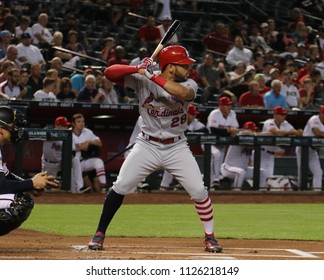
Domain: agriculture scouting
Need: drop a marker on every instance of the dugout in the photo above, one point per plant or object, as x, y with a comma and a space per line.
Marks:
114, 123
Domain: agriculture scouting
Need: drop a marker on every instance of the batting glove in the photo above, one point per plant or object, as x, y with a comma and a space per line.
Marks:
146, 64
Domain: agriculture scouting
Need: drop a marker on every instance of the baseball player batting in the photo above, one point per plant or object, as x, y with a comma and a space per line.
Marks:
163, 102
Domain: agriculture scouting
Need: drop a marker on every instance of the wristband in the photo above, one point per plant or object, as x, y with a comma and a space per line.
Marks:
159, 80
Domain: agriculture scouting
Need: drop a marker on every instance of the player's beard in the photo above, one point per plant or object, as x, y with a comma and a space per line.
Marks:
179, 77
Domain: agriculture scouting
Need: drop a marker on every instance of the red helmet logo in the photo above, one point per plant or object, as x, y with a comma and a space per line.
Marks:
174, 55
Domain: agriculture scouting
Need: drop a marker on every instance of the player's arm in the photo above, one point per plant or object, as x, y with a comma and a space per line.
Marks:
117, 72
182, 92
317, 132
278, 132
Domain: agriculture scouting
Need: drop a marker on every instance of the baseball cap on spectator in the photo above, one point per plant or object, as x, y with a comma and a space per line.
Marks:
240, 63
225, 101
279, 111
250, 126
5, 33
250, 68
62, 121
264, 24
322, 109
192, 110
274, 70
301, 45
25, 35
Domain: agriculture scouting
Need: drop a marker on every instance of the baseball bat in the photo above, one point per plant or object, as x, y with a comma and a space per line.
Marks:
120, 153
167, 36
136, 15
79, 54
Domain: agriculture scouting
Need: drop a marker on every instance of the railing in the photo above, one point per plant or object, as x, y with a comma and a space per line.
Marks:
257, 141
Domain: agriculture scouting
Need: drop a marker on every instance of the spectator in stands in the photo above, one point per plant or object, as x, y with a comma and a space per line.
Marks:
222, 72
300, 34
5, 39
291, 50
239, 53
268, 31
57, 64
77, 79
252, 98
238, 89
305, 72
28, 53
11, 55
307, 94
162, 9
314, 128
4, 13
274, 75
41, 35
89, 93
277, 126
47, 93
289, 90
86, 146
67, 58
66, 94
258, 61
238, 24
149, 34
109, 49
313, 53
273, 98
218, 40
109, 95
11, 86
119, 57
300, 58
70, 23
260, 78
52, 150
23, 84
164, 26
53, 74
73, 44
6, 66
209, 78
23, 27
255, 39
142, 53
35, 80
237, 75
10, 22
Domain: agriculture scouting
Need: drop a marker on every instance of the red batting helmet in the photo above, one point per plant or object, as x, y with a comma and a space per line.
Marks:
174, 55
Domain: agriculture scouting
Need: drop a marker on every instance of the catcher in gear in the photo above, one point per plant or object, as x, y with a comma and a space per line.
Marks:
15, 204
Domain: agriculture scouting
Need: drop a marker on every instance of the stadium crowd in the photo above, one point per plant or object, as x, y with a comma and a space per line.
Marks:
236, 56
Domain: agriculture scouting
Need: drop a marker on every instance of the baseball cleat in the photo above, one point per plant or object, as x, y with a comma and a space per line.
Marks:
97, 241
211, 245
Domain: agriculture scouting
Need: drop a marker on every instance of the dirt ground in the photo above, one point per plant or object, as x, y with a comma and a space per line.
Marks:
29, 245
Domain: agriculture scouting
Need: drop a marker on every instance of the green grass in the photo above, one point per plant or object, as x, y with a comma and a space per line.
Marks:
247, 221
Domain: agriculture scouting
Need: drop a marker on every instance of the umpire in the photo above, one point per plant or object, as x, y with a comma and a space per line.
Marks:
15, 204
